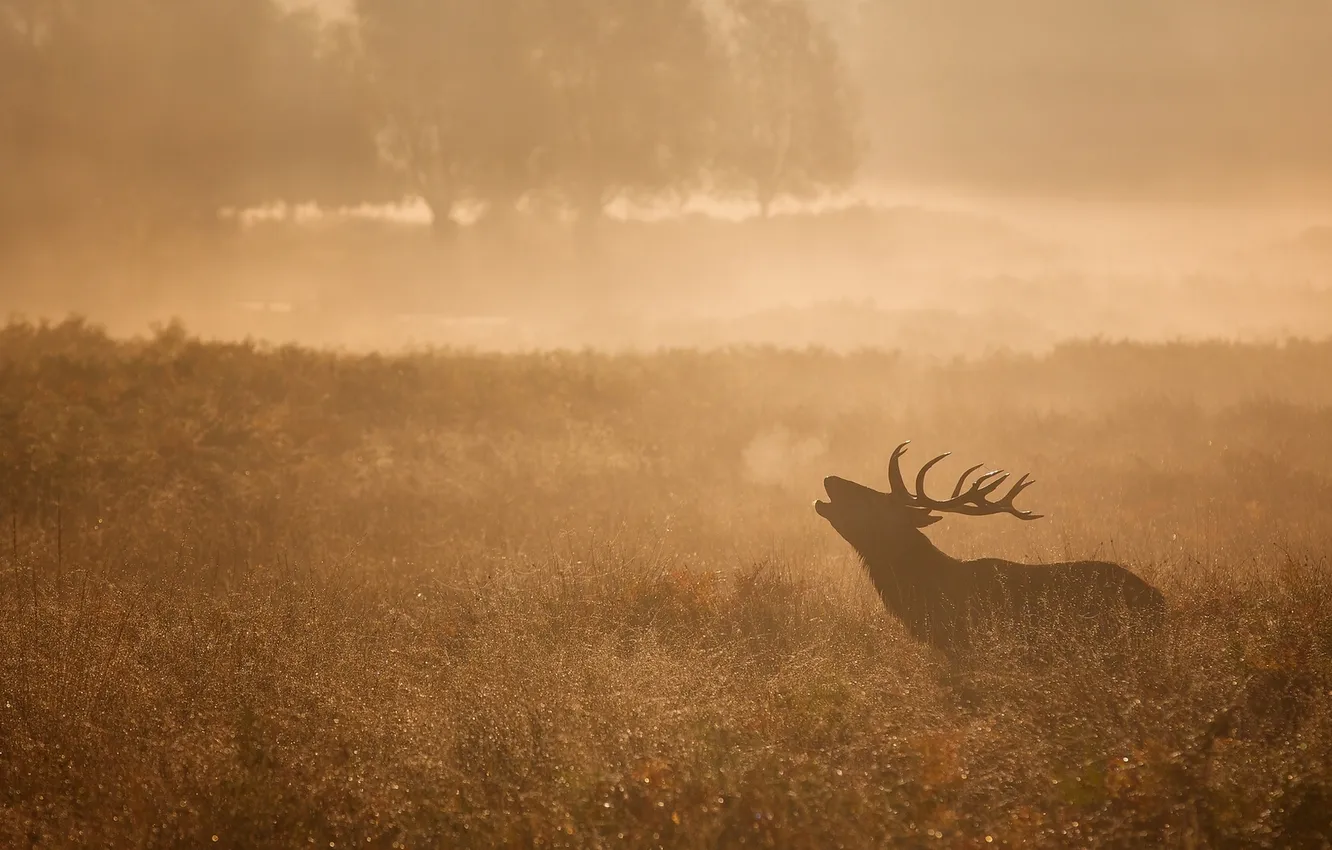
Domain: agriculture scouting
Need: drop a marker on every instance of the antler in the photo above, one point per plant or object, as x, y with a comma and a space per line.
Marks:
971, 503
896, 485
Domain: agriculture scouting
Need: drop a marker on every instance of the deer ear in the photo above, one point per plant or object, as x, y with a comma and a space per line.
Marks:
924, 520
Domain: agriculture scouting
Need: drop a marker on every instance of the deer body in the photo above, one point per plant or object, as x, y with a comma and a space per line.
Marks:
943, 601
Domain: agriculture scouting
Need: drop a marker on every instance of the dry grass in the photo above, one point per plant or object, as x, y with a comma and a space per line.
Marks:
282, 598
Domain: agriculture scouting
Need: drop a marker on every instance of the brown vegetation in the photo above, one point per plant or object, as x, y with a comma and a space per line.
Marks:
261, 597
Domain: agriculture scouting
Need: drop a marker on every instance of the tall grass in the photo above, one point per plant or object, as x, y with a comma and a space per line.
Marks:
281, 597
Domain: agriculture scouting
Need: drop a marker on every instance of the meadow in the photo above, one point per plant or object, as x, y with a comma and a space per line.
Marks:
261, 596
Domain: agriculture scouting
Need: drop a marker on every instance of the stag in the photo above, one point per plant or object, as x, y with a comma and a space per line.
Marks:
945, 602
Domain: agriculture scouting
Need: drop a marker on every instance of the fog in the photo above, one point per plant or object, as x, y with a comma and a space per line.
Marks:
843, 174
1186, 102
414, 413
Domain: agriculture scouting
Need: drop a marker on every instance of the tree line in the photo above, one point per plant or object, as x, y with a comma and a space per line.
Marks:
141, 118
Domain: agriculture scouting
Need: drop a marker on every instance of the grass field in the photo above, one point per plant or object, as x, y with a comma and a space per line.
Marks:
274, 597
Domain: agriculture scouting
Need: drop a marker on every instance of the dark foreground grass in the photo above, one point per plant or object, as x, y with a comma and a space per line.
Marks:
582, 601
609, 706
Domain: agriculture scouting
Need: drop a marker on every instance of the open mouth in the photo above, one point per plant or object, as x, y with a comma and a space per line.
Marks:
821, 505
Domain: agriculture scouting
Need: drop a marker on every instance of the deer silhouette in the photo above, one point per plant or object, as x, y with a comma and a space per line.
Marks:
944, 601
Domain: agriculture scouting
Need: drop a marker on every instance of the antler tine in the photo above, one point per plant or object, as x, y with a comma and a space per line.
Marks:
957, 491
1006, 503
980, 488
1022, 484
979, 493
920, 477
987, 476
973, 501
896, 484
960, 500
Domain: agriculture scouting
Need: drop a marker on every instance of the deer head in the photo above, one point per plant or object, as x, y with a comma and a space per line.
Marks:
871, 520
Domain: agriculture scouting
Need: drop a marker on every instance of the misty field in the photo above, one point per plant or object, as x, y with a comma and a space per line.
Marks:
275, 597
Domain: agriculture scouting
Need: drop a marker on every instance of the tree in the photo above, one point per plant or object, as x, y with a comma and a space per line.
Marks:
317, 139
636, 91
31, 124
567, 102
791, 126
574, 103
144, 117
461, 105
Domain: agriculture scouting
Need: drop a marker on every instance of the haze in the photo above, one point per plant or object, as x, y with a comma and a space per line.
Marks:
1134, 169
531, 423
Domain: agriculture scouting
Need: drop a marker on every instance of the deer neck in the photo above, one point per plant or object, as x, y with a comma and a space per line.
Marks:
899, 567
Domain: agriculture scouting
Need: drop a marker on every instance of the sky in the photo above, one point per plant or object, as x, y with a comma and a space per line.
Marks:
1180, 101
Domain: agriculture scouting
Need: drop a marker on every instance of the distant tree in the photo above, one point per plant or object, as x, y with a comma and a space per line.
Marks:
461, 104
317, 141
574, 103
28, 124
567, 102
791, 116
636, 89
141, 116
